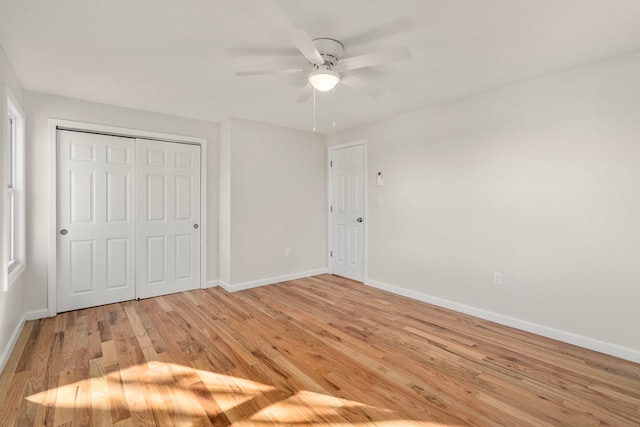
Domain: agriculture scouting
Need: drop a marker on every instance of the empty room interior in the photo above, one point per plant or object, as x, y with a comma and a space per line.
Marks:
320, 213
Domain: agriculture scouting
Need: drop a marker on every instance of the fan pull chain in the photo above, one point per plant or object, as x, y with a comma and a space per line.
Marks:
314, 109
333, 108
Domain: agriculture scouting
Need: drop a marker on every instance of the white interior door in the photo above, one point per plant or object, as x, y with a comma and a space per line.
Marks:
347, 212
96, 227
168, 217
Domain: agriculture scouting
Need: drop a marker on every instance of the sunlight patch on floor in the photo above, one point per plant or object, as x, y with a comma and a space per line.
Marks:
178, 394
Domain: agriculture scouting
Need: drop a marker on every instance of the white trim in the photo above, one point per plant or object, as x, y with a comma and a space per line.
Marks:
13, 111
270, 280
29, 315
203, 213
545, 331
213, 283
36, 314
128, 132
4, 357
52, 271
15, 270
348, 144
365, 189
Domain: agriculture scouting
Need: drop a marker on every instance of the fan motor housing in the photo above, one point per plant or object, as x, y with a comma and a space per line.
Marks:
331, 50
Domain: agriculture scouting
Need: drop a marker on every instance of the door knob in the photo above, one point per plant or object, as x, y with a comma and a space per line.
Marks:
359, 219
63, 231
195, 225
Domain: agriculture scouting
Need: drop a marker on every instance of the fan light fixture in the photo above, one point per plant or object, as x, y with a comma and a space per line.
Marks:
324, 79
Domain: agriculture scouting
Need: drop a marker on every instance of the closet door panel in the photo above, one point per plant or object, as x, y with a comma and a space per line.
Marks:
168, 222
96, 230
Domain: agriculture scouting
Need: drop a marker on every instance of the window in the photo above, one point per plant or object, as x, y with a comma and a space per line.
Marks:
14, 212
11, 191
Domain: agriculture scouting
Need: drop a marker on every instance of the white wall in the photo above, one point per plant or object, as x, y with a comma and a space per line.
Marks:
538, 180
12, 303
39, 108
277, 199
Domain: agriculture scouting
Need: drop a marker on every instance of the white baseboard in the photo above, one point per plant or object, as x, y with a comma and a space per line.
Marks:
212, 283
545, 331
29, 315
270, 280
6, 353
36, 314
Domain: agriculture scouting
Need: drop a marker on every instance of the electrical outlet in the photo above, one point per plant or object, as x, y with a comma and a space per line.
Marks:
497, 278
287, 251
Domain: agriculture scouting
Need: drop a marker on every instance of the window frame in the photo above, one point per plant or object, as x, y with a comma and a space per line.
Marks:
14, 214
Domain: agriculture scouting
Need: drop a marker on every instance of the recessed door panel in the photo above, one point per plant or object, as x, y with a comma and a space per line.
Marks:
156, 157
117, 197
184, 160
119, 155
183, 197
79, 151
156, 197
353, 248
82, 198
352, 195
117, 262
156, 259
82, 266
183, 256
341, 243
342, 193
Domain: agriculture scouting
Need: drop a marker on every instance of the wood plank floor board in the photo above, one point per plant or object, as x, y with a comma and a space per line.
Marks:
413, 385
319, 351
13, 396
556, 367
14, 360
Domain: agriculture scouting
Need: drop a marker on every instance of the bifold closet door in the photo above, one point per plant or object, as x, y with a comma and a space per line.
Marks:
168, 217
96, 230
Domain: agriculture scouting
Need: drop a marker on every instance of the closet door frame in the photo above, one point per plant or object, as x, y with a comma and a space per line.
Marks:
53, 126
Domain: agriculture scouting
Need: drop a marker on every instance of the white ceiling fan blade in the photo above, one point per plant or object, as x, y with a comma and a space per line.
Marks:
358, 84
376, 58
262, 72
305, 94
301, 40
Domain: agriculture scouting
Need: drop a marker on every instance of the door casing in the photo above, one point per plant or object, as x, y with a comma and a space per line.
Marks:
53, 126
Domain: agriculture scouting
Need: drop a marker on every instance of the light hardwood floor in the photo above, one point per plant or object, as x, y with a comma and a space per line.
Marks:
321, 351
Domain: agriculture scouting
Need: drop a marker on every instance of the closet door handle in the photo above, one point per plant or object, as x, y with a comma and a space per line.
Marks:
63, 231
195, 226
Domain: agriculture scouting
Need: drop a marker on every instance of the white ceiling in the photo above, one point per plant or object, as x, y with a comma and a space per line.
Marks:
179, 57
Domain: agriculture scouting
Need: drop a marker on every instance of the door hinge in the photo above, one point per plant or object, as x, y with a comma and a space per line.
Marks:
330, 208
331, 253
331, 163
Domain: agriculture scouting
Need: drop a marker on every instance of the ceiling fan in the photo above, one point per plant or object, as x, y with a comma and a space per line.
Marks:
327, 67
